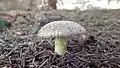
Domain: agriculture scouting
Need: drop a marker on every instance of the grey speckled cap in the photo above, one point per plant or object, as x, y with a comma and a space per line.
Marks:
61, 29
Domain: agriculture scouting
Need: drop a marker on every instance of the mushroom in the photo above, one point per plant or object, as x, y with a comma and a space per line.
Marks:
61, 30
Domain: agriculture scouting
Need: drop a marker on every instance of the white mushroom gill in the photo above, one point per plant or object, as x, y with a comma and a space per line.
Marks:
60, 30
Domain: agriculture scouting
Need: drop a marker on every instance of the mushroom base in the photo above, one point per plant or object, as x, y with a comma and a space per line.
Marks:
60, 45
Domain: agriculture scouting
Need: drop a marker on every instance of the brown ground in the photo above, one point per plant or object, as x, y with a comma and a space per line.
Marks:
101, 50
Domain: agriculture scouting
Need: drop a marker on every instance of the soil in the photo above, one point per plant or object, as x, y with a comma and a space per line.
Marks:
20, 48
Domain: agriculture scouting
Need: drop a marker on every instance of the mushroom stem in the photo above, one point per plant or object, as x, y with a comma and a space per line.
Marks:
60, 45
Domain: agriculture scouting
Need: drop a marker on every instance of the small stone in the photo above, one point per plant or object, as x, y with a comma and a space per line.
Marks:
20, 33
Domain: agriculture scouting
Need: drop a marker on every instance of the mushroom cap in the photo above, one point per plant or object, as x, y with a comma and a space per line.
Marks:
61, 29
